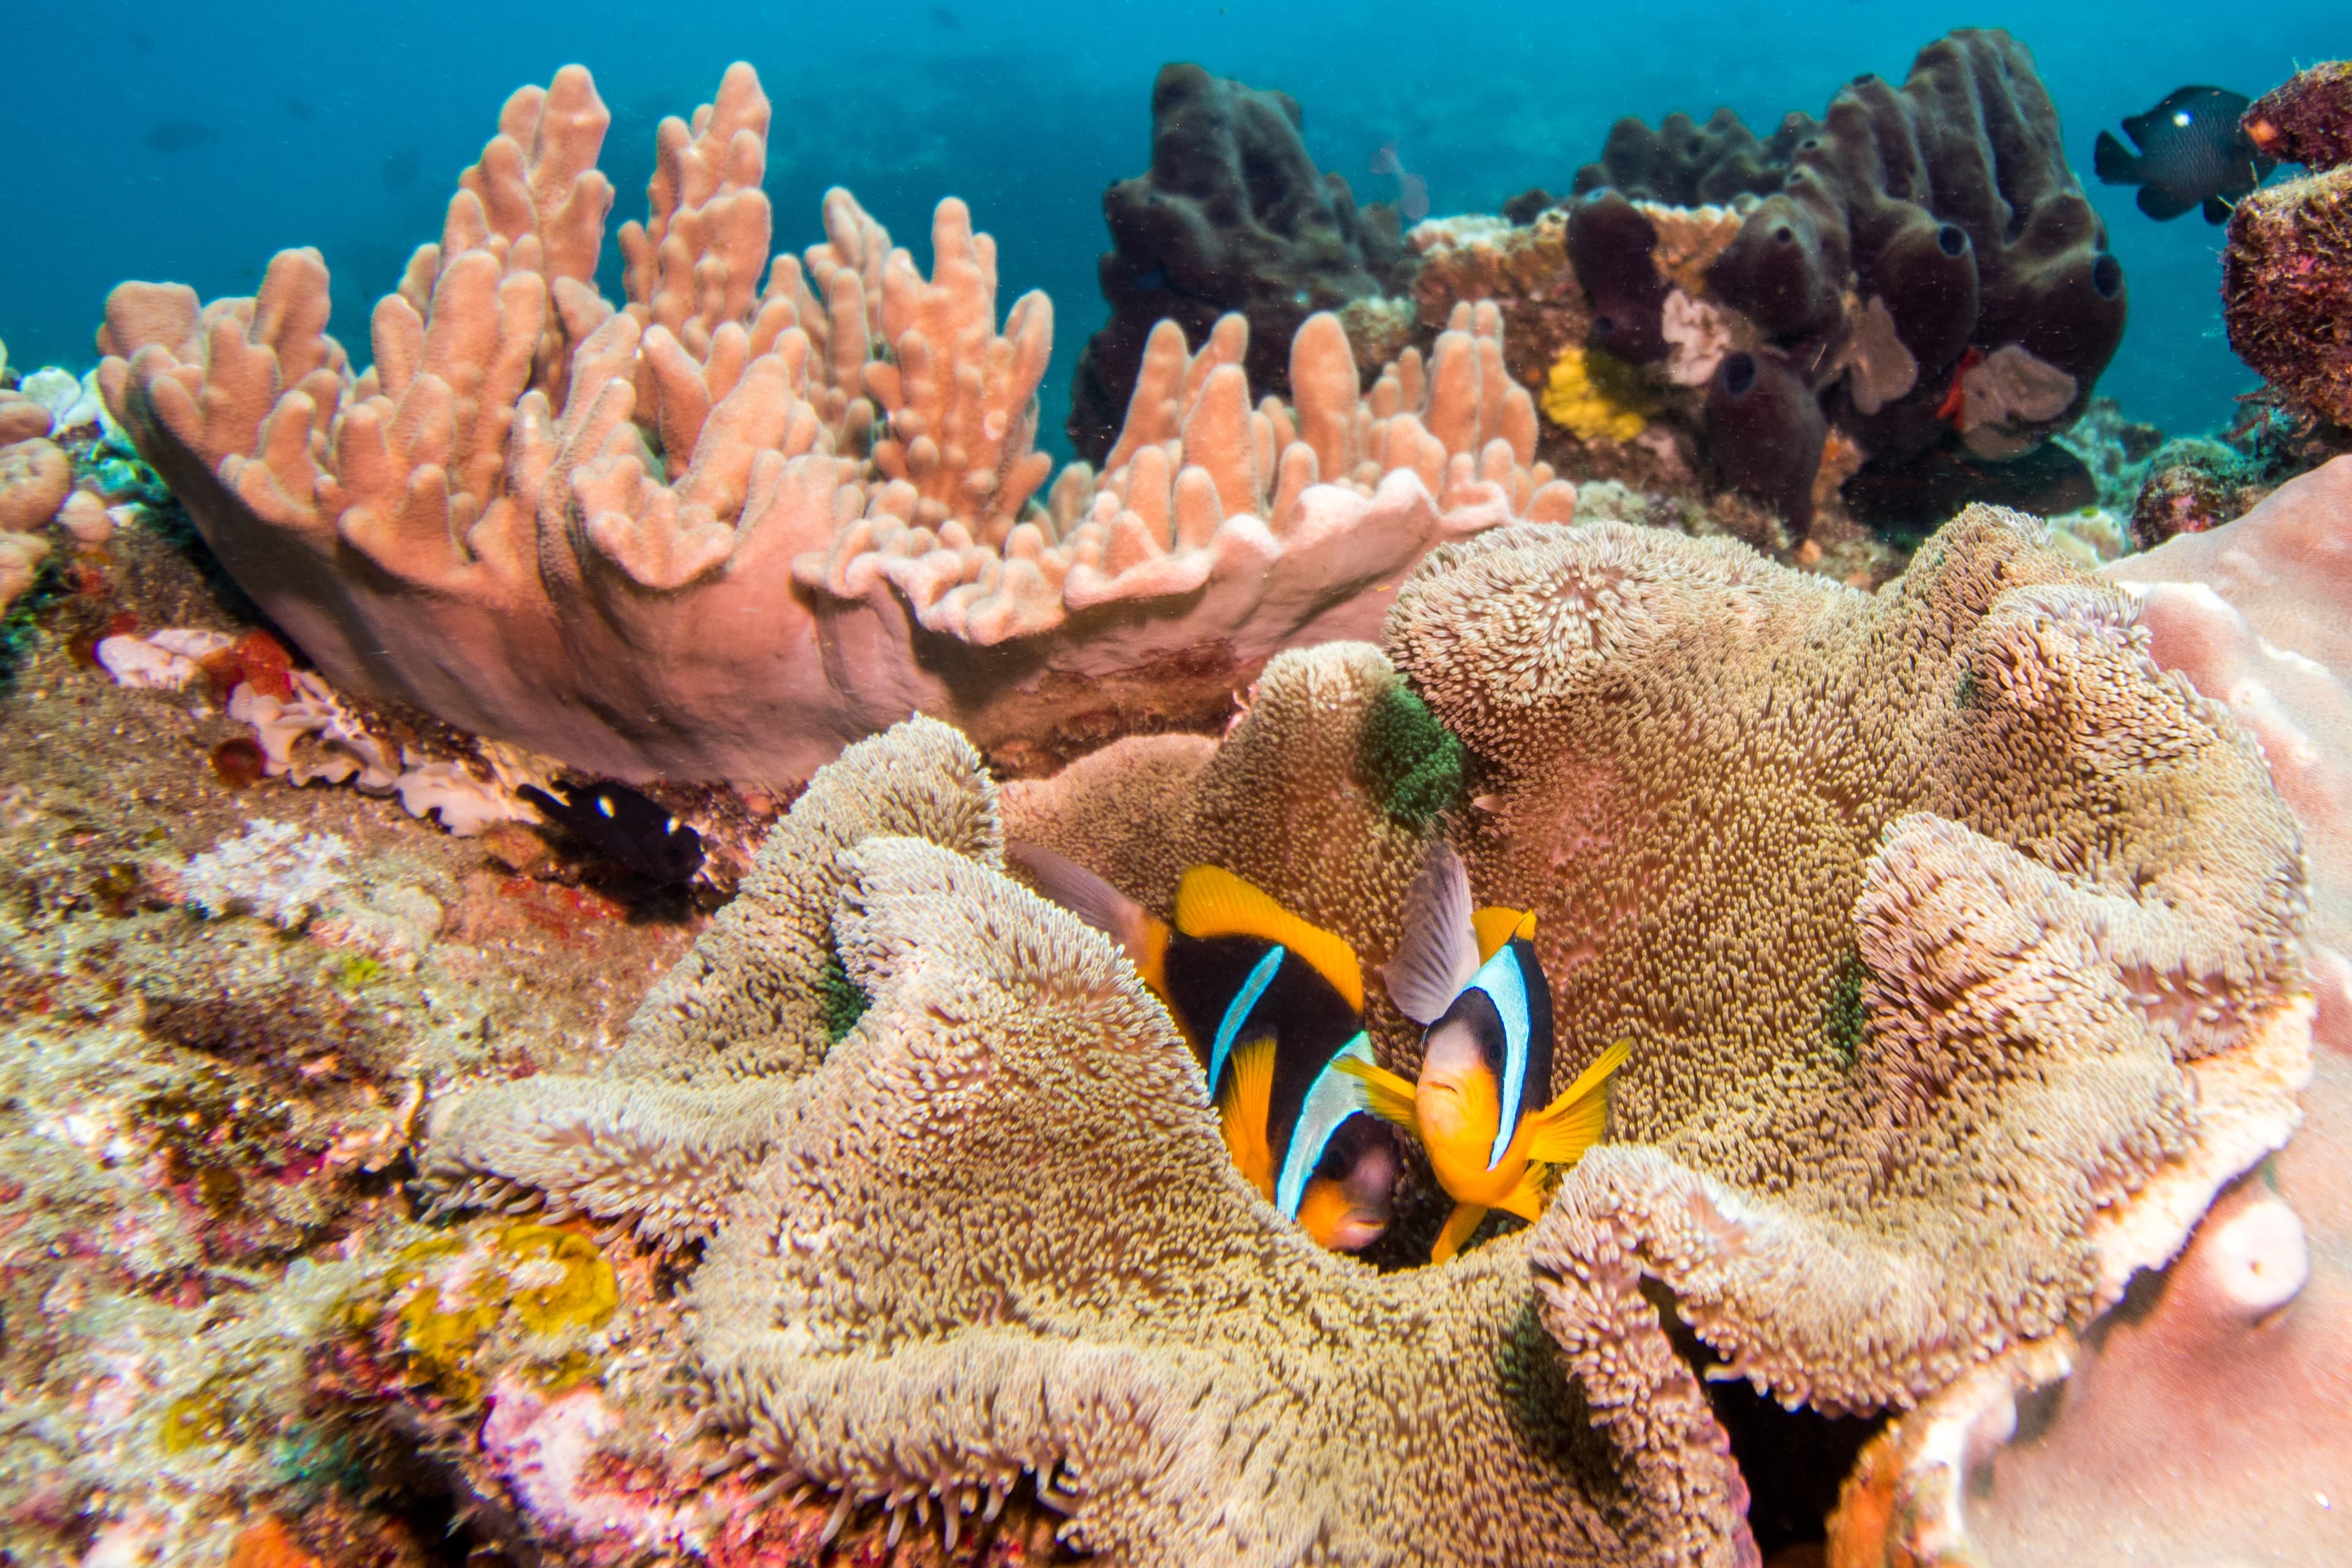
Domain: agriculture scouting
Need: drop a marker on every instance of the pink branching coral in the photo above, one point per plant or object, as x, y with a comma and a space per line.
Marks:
704, 533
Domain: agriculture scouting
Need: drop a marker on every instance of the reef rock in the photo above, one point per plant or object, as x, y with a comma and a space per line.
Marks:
714, 533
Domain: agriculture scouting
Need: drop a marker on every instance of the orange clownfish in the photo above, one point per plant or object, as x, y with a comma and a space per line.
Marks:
1272, 1007
1471, 980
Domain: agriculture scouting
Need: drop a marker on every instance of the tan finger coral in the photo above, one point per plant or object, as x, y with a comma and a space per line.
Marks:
992, 1241
731, 525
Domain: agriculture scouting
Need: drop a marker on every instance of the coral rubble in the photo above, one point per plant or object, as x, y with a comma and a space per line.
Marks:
645, 541
1231, 217
2287, 271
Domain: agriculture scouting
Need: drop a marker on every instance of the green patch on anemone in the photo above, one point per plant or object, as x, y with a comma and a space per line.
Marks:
844, 1001
1406, 756
1845, 1019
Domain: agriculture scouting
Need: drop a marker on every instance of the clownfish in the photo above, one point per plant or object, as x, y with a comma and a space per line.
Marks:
1471, 979
1272, 1007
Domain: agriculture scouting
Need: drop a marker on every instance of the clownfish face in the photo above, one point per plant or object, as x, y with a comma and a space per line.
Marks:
1351, 1210
1456, 1107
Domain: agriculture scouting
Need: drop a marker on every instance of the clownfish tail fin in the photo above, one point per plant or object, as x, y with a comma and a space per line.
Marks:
1562, 1131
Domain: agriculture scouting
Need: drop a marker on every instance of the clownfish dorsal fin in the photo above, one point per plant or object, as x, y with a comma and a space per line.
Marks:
1212, 901
1495, 925
1095, 901
1241, 1107
1437, 948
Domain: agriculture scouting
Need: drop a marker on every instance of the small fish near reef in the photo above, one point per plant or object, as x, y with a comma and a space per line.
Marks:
625, 826
1471, 980
1274, 1009
2191, 154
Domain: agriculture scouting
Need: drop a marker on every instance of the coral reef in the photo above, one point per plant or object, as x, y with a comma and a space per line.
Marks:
1231, 218
2252, 614
1181, 1405
2307, 119
1921, 260
639, 539
2287, 271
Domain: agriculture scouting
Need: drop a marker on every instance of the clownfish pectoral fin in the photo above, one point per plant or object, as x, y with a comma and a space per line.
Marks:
1386, 1095
1241, 1109
1527, 1198
1437, 948
1495, 925
1562, 1131
1458, 1227
1065, 883
1212, 901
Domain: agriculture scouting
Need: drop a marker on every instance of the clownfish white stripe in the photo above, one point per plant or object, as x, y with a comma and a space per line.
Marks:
1237, 1012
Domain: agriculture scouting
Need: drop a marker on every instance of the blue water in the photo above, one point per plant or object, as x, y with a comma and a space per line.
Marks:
1025, 111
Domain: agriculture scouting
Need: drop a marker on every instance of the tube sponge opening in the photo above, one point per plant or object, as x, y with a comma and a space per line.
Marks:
1766, 429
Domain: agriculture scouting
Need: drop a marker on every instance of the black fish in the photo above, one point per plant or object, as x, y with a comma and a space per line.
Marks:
179, 135
622, 824
400, 170
297, 108
944, 17
2190, 151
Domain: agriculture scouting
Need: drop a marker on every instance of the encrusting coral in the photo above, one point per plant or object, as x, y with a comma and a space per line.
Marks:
711, 533
1959, 948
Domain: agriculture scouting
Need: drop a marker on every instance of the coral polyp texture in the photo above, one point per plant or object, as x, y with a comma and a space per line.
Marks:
1947, 929
729, 526
1231, 217
2286, 272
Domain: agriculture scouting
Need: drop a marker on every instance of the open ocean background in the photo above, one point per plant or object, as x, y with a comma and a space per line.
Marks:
345, 127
